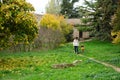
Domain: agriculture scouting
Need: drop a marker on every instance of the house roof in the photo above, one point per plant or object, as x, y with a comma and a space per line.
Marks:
73, 21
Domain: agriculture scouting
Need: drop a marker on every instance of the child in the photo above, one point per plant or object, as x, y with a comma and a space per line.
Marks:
82, 48
76, 44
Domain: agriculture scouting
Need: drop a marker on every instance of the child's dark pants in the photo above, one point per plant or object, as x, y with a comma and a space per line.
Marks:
76, 49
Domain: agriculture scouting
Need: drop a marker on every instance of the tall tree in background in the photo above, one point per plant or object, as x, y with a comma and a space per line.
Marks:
87, 12
116, 22
53, 7
106, 8
90, 14
116, 25
67, 8
101, 12
17, 23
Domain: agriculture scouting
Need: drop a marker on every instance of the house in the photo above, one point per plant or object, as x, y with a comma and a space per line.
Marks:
76, 32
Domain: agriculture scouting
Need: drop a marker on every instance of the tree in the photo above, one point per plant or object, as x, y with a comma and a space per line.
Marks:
116, 22
50, 21
94, 15
55, 29
116, 25
17, 23
101, 12
54, 22
106, 7
53, 7
67, 8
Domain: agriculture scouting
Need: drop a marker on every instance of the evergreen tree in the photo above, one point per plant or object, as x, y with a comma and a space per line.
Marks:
116, 22
101, 12
116, 25
67, 8
106, 9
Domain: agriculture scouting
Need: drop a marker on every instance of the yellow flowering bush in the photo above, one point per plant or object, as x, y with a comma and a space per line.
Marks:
53, 31
56, 23
116, 37
17, 23
50, 21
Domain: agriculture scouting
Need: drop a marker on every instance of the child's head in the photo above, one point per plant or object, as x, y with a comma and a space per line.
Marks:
76, 37
82, 45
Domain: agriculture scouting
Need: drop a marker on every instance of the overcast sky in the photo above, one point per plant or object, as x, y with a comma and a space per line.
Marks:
39, 5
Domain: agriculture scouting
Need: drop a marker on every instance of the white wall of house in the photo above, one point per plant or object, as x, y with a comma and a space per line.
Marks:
75, 33
85, 34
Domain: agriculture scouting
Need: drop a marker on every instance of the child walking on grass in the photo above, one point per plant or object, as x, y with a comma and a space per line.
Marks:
82, 48
76, 45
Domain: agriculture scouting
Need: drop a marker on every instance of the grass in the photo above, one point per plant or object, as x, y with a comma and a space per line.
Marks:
104, 51
37, 65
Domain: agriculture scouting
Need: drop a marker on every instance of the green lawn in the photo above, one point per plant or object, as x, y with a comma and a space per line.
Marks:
104, 51
37, 65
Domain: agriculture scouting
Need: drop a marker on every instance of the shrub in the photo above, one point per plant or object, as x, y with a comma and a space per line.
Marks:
116, 37
53, 31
